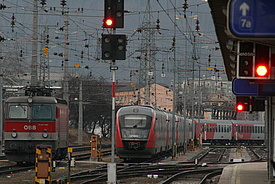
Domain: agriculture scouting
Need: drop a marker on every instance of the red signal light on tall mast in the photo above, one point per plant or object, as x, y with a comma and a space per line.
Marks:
240, 107
261, 71
109, 22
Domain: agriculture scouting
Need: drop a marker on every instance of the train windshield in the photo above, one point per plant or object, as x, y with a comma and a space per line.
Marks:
41, 112
135, 126
18, 112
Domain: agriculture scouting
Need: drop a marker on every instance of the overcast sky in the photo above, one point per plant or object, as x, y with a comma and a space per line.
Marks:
86, 28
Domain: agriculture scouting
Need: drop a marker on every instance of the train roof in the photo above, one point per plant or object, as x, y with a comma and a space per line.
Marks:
214, 121
247, 122
35, 99
144, 106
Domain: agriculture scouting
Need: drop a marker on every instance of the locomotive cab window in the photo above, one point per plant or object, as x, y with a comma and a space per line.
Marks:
135, 126
18, 111
136, 121
41, 112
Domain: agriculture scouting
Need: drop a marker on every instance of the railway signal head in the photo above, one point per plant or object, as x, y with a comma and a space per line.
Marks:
113, 47
113, 14
247, 103
254, 61
245, 59
262, 65
242, 103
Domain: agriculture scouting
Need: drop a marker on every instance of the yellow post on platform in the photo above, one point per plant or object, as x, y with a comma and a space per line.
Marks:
192, 146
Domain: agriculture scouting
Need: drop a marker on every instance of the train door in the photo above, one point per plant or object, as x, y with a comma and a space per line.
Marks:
235, 132
177, 129
204, 130
167, 132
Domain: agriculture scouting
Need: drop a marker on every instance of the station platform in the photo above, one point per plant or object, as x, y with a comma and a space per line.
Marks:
238, 172
245, 173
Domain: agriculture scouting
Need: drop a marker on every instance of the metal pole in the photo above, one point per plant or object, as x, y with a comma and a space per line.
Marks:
174, 90
193, 96
112, 166
184, 89
80, 115
193, 86
1, 101
270, 128
113, 68
66, 60
199, 108
34, 45
70, 150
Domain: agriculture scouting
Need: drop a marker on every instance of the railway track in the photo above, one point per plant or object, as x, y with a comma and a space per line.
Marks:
201, 175
11, 169
80, 153
186, 171
129, 171
212, 155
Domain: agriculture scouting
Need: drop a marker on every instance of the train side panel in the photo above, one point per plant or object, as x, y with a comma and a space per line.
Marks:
216, 131
251, 132
160, 129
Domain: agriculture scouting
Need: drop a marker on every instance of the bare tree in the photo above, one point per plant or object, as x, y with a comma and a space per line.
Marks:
96, 103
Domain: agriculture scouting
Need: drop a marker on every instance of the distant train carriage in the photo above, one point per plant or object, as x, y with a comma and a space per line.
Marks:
31, 121
251, 132
185, 130
216, 131
143, 131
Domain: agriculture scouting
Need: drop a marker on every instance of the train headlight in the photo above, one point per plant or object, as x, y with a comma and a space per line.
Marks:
14, 134
45, 133
30, 100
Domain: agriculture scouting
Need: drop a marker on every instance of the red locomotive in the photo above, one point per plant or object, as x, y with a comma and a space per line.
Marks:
31, 121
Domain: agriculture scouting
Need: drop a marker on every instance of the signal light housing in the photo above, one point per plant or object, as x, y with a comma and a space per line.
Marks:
242, 103
262, 64
113, 47
249, 103
254, 61
245, 60
113, 14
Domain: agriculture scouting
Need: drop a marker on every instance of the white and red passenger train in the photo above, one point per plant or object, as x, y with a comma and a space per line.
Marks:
31, 121
232, 131
143, 131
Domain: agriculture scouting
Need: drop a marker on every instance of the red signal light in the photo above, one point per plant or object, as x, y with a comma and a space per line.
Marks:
240, 107
109, 22
261, 70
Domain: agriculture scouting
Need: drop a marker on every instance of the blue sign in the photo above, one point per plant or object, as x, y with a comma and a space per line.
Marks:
244, 87
252, 18
266, 89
